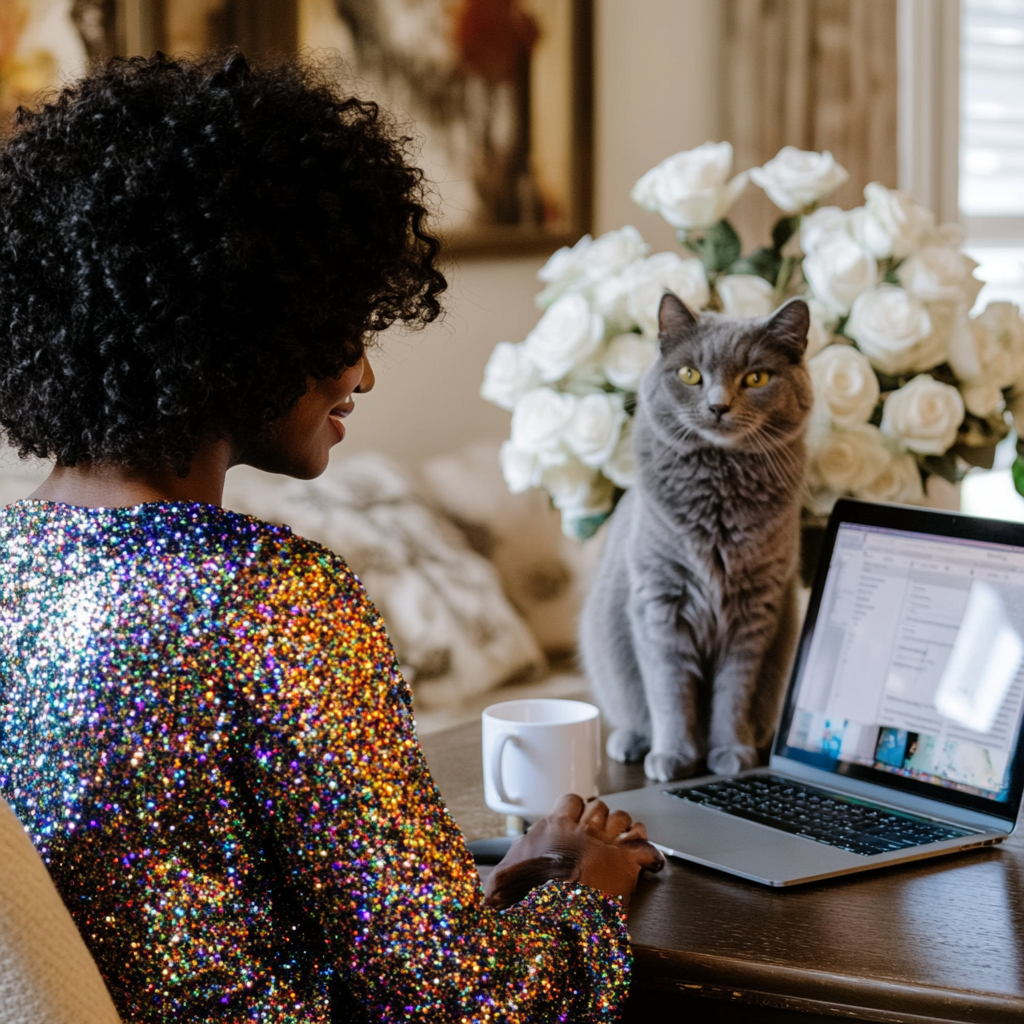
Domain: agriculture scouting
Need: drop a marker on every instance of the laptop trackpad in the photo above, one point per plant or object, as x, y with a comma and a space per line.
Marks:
720, 839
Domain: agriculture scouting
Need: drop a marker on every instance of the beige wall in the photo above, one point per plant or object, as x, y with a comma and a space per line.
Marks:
656, 93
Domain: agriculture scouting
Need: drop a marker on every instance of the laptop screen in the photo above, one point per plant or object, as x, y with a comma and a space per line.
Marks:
911, 667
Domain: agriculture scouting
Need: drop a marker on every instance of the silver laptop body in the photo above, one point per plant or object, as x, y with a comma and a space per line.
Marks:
906, 698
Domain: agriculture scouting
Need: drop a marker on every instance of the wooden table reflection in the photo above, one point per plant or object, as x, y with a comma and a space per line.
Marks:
939, 941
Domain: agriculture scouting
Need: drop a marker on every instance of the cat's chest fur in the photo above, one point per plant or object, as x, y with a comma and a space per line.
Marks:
711, 523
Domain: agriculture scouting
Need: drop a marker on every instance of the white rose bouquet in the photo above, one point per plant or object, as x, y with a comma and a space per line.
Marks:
907, 381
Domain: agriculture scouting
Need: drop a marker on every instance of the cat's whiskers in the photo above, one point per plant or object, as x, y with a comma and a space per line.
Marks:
783, 462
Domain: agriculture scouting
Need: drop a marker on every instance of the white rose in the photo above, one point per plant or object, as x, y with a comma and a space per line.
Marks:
899, 216
823, 323
509, 374
817, 226
613, 251
690, 189
899, 481
924, 415
820, 501
522, 470
894, 330
589, 261
992, 348
577, 489
621, 467
563, 268
566, 335
795, 179
586, 377
593, 431
540, 419
940, 273
626, 358
982, 399
838, 271
844, 384
745, 295
866, 229
848, 458
646, 281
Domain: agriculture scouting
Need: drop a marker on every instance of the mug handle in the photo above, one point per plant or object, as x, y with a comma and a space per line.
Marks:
498, 750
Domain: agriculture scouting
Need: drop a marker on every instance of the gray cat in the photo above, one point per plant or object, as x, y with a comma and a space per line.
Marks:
688, 629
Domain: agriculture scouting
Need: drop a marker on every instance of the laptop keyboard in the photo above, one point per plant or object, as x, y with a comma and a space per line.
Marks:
815, 814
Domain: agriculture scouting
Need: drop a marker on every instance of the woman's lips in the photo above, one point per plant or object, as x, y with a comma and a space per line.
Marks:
338, 413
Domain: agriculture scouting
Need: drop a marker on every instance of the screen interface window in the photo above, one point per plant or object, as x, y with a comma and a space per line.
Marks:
916, 666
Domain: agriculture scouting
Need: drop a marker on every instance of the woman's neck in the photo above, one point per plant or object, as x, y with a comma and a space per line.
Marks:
110, 485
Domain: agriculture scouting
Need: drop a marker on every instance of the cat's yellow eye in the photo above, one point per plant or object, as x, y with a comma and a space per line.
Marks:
757, 379
688, 375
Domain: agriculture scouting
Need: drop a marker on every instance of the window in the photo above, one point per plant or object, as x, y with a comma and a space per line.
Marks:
991, 146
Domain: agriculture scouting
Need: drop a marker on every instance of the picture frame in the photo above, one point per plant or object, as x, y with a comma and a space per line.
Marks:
496, 94
499, 94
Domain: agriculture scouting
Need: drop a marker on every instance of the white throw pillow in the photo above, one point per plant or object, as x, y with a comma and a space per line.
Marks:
544, 573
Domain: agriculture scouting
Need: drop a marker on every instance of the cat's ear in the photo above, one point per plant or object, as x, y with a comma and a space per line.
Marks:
789, 325
675, 321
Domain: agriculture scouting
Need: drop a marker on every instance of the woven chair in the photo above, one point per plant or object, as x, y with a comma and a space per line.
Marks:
47, 975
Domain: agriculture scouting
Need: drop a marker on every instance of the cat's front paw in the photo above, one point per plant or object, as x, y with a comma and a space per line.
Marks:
627, 746
663, 766
732, 759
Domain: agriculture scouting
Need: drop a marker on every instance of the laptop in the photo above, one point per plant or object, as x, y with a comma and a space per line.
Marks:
900, 736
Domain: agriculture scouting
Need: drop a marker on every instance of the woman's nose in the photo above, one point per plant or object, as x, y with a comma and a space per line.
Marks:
367, 380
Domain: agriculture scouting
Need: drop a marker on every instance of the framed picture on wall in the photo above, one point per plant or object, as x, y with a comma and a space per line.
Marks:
497, 93
500, 93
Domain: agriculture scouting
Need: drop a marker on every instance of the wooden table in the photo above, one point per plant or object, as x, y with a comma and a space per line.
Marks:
939, 941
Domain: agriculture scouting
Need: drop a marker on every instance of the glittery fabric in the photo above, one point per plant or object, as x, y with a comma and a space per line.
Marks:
205, 731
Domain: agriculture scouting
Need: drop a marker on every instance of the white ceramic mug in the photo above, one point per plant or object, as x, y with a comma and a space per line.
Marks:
537, 749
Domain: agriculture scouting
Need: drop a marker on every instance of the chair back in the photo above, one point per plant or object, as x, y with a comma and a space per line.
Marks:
47, 976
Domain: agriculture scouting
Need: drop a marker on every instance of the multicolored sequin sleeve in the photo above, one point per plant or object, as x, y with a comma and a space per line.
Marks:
338, 778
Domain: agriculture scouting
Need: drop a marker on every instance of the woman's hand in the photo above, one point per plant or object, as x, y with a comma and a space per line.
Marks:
577, 842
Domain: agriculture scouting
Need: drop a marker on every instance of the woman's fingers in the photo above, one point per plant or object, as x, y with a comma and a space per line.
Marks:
569, 806
595, 815
635, 831
618, 822
647, 855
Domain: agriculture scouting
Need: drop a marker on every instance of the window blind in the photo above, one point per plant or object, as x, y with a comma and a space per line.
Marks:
992, 109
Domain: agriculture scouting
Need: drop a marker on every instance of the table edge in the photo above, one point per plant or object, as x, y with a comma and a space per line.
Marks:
817, 991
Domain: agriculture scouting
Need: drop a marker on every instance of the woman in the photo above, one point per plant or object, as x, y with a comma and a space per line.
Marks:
203, 725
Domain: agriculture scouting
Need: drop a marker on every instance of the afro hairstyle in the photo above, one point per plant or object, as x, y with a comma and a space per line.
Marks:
186, 243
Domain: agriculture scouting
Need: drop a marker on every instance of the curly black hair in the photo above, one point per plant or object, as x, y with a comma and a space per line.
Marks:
185, 243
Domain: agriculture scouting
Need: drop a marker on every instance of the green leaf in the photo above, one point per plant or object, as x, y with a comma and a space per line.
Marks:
760, 263
1018, 474
721, 247
688, 241
890, 382
945, 375
976, 432
585, 528
945, 466
785, 228
983, 455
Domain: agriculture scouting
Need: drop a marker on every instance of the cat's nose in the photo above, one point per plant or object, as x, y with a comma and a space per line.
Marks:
719, 400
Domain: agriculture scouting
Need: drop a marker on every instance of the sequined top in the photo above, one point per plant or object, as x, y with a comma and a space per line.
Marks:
205, 731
